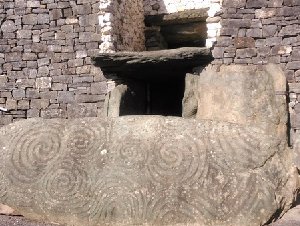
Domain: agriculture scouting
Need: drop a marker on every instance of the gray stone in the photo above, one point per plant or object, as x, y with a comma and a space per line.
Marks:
65, 97
43, 83
230, 166
8, 26
30, 19
39, 103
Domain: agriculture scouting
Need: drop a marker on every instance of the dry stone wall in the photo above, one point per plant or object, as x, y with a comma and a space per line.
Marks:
261, 32
122, 25
45, 63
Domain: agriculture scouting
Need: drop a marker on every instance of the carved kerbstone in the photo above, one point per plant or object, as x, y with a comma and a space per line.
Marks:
153, 170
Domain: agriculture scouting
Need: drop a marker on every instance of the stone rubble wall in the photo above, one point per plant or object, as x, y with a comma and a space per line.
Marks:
45, 63
157, 7
122, 25
260, 32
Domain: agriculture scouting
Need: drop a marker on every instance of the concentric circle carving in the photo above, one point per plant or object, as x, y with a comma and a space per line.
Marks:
85, 139
67, 188
119, 199
178, 159
131, 153
32, 149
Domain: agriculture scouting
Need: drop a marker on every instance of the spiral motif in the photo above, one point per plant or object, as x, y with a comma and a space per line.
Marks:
32, 149
119, 199
67, 189
177, 159
168, 209
85, 139
131, 153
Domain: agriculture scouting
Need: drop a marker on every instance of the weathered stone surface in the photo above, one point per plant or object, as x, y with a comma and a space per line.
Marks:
153, 63
134, 170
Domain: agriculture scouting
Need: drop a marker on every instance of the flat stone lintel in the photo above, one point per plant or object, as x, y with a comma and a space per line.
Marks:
125, 63
186, 16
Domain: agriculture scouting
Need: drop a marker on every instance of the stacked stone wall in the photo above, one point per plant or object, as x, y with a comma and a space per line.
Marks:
45, 64
122, 25
260, 32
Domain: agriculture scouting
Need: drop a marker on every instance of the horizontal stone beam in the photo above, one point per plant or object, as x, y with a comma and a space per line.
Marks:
142, 63
186, 16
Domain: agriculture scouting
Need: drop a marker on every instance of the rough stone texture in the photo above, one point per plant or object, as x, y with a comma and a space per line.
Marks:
146, 63
183, 11
261, 32
45, 54
152, 169
122, 25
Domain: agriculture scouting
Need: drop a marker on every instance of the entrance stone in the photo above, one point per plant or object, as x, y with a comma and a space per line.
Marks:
153, 170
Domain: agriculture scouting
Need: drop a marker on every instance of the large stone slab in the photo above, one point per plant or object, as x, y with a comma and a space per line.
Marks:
152, 170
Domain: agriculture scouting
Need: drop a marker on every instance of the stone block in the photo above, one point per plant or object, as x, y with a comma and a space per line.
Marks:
13, 56
32, 94
43, 18
84, 98
256, 3
75, 63
43, 71
39, 47
8, 26
59, 86
296, 54
30, 19
65, 97
24, 34
246, 53
29, 56
82, 110
269, 30
244, 42
254, 33
234, 3
11, 104
50, 95
83, 79
33, 113
55, 14
99, 88
53, 113
33, 4
25, 83
43, 83
294, 65
39, 103
23, 104
18, 94
43, 61
65, 79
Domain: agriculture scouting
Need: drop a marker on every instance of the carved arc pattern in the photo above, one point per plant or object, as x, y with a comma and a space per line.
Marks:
131, 153
85, 139
67, 187
119, 199
32, 149
177, 159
